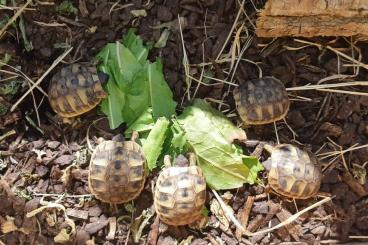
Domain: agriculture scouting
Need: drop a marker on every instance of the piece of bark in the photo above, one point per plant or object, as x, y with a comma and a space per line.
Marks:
243, 216
354, 185
77, 214
294, 229
310, 18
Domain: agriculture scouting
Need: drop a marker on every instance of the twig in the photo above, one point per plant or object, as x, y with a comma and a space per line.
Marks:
293, 217
231, 30
185, 60
57, 61
14, 17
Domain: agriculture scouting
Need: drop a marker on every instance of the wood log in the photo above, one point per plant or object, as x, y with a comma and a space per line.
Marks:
308, 18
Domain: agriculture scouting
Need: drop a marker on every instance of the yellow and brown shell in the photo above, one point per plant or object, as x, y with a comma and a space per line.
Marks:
117, 171
261, 101
180, 194
75, 89
294, 172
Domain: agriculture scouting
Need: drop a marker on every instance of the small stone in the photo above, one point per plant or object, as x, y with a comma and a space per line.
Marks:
94, 211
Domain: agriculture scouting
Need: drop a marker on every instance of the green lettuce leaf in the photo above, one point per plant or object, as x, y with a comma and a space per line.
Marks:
135, 84
160, 93
153, 144
207, 132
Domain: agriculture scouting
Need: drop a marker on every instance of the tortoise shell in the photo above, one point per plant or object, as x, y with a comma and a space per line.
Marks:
294, 172
117, 171
261, 101
180, 195
76, 89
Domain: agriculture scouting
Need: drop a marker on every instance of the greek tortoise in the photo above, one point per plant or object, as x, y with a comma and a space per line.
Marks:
261, 101
117, 170
76, 89
180, 192
293, 172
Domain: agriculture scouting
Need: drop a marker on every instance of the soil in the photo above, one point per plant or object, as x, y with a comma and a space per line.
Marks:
35, 160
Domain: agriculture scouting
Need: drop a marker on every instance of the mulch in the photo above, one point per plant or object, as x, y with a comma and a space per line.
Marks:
39, 164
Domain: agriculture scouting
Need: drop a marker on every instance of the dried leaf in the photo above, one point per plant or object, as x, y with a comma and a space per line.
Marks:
139, 223
8, 226
217, 210
62, 237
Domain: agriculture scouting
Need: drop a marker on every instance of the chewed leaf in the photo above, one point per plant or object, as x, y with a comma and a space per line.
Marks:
131, 76
160, 93
135, 44
144, 123
206, 132
153, 145
112, 106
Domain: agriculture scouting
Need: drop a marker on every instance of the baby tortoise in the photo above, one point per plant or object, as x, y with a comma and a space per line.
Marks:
76, 89
261, 101
293, 172
117, 170
180, 192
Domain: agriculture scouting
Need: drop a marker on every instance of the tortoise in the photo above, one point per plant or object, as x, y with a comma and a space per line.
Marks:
180, 191
76, 89
261, 101
117, 170
292, 172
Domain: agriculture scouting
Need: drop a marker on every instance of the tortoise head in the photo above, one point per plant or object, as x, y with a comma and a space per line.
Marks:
118, 138
181, 161
103, 77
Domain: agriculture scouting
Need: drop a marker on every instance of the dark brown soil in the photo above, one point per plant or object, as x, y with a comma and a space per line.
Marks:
32, 162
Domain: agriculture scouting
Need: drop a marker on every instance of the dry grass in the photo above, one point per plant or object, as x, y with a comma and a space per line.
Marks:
14, 17
54, 64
